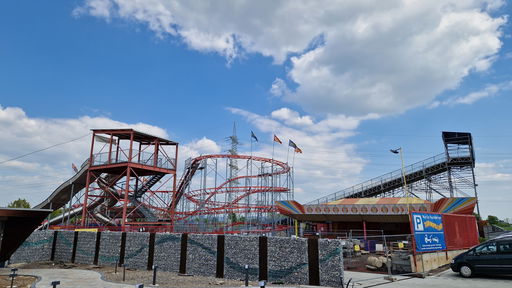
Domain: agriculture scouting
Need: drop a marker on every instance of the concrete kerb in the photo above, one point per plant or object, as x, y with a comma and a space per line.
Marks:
370, 279
38, 278
71, 278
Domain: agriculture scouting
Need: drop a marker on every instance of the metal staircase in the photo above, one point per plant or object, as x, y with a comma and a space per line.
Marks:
191, 167
134, 199
146, 186
457, 162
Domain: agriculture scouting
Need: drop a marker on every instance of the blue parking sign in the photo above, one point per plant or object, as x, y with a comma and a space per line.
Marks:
428, 231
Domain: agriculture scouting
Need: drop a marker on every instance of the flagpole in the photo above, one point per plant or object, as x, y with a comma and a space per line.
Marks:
273, 145
250, 178
287, 153
293, 161
272, 165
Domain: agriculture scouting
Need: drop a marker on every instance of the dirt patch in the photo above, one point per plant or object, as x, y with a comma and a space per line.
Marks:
169, 279
132, 276
44, 265
20, 281
439, 270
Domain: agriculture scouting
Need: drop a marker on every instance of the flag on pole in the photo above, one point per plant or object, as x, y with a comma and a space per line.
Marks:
292, 144
298, 150
276, 139
254, 136
104, 139
74, 167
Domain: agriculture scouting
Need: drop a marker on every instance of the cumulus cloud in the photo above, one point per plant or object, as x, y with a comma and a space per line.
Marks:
329, 162
280, 89
35, 176
291, 117
352, 57
489, 91
199, 147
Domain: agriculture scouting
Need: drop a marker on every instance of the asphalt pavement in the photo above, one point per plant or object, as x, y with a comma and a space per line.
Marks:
85, 278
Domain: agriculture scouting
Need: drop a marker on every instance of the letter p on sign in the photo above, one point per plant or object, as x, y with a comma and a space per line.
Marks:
418, 223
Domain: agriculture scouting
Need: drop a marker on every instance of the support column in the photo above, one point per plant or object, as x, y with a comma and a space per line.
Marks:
364, 229
125, 201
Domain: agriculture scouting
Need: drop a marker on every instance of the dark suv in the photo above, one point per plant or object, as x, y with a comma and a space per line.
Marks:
491, 257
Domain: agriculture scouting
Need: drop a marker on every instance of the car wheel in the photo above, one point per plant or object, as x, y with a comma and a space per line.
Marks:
465, 271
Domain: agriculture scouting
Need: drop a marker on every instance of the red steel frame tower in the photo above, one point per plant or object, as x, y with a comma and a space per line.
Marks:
130, 180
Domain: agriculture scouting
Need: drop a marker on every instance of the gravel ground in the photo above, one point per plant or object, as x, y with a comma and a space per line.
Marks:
164, 279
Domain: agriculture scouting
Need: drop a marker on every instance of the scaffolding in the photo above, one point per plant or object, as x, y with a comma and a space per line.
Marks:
130, 180
449, 174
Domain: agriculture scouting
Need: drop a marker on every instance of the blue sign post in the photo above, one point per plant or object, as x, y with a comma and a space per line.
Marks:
428, 231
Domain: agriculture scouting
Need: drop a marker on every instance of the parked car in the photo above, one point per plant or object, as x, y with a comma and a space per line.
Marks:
491, 257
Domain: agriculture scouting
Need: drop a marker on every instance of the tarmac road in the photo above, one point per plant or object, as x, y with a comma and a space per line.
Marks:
444, 279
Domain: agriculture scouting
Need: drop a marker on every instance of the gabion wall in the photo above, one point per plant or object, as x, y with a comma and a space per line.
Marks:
37, 247
276, 259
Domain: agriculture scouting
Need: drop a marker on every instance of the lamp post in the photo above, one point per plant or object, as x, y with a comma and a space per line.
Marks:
400, 151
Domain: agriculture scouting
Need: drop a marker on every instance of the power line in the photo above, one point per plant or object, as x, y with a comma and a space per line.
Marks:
40, 150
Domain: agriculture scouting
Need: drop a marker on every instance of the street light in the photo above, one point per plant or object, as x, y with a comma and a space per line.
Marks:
400, 151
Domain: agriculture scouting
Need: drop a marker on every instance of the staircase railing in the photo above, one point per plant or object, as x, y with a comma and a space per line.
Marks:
378, 181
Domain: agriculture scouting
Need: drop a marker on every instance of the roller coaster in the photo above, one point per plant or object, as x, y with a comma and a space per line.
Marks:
129, 184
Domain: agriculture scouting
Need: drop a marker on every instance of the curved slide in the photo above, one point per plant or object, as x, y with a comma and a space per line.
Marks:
63, 193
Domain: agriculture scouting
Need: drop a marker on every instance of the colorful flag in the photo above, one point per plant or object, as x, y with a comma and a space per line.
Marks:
277, 139
254, 136
298, 150
292, 144
74, 167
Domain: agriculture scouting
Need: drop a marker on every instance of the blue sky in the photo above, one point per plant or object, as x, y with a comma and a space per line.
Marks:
382, 75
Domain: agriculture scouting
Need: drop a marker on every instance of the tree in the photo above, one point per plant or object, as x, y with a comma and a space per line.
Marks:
493, 220
20, 203
56, 213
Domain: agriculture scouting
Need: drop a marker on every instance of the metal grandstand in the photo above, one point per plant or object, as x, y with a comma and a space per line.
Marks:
449, 174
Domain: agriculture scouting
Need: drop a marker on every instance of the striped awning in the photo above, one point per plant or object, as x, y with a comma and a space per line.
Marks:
457, 205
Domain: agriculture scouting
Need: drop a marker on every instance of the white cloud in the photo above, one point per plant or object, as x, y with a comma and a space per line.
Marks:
494, 181
98, 8
199, 147
328, 163
280, 89
351, 57
489, 91
291, 117
35, 176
